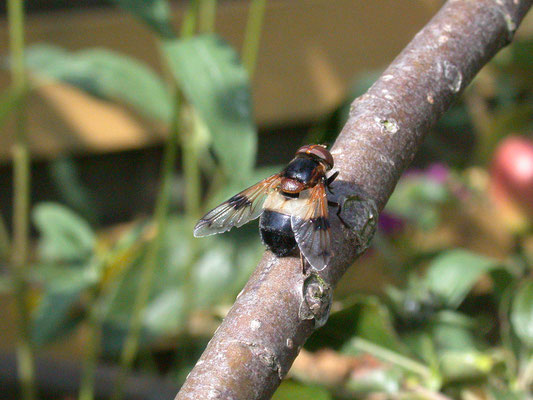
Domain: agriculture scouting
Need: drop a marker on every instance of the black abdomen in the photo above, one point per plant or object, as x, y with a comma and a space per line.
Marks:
276, 232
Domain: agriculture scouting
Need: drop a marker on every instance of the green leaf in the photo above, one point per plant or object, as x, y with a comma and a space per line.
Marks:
522, 314
65, 237
382, 380
464, 365
216, 83
289, 390
212, 274
154, 13
452, 331
64, 173
418, 198
452, 274
106, 74
165, 313
59, 311
366, 318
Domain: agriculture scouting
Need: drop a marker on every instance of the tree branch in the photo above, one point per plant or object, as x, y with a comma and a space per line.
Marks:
279, 307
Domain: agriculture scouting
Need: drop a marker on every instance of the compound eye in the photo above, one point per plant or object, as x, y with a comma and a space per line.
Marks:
318, 151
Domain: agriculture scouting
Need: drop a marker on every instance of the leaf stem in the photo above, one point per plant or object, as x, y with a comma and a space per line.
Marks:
208, 11
21, 201
252, 35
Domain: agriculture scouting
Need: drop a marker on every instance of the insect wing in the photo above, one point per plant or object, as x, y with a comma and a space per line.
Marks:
311, 228
238, 210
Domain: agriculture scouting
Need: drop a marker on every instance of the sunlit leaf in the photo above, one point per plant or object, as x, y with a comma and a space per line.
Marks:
65, 236
453, 273
460, 366
366, 318
164, 314
381, 380
105, 74
522, 314
289, 390
212, 274
452, 331
418, 198
215, 82
155, 13
501, 392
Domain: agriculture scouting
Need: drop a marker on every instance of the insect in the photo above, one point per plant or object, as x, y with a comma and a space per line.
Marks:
292, 204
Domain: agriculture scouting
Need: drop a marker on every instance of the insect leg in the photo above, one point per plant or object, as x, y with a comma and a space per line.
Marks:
304, 263
330, 180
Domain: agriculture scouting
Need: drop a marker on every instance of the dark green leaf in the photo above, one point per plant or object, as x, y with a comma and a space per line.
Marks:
65, 237
65, 175
522, 314
105, 74
155, 13
453, 273
59, 311
215, 82
289, 390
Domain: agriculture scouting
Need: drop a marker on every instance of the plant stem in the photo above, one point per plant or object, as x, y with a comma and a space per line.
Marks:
208, 11
252, 35
4, 239
92, 349
131, 344
391, 356
120, 257
190, 163
190, 19
21, 201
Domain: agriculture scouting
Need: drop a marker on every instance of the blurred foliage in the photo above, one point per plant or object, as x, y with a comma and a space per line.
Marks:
457, 320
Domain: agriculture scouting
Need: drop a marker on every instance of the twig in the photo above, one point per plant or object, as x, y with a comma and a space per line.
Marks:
21, 200
252, 35
391, 357
279, 308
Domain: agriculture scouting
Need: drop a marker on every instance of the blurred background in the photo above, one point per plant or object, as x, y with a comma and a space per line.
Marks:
123, 121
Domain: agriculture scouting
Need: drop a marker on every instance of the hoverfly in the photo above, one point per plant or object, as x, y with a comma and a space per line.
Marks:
292, 204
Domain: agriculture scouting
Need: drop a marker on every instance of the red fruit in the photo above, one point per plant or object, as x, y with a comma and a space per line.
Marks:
511, 175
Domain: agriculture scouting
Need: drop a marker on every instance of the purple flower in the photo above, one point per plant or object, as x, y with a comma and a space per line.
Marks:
390, 224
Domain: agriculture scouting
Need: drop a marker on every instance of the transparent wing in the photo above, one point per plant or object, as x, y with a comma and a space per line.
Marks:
311, 229
240, 209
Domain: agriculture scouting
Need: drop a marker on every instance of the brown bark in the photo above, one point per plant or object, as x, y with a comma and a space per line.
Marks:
280, 307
